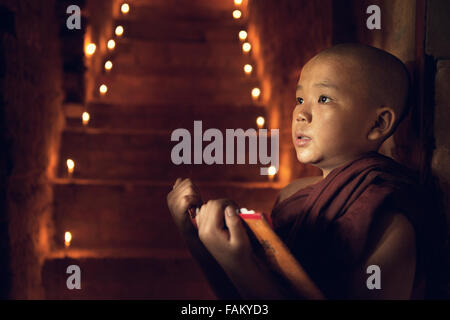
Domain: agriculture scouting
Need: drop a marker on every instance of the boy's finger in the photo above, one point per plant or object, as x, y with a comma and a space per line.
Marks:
177, 182
234, 224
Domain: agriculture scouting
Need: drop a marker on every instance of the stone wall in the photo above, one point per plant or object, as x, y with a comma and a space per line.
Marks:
438, 29
284, 36
32, 97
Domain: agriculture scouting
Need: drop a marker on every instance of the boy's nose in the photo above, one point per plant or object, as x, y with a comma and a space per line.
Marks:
303, 116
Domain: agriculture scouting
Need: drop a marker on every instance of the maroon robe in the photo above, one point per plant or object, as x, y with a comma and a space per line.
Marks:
327, 225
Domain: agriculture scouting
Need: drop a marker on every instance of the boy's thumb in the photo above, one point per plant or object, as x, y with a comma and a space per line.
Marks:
234, 223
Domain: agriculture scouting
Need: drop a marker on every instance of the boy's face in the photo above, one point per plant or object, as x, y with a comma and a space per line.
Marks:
332, 111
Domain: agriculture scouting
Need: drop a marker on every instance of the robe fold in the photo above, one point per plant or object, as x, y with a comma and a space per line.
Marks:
327, 225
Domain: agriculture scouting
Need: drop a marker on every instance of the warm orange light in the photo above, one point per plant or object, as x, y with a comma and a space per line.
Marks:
242, 34
85, 117
248, 68
256, 93
246, 47
271, 172
108, 65
67, 238
237, 2
103, 89
260, 122
111, 44
125, 8
119, 31
90, 49
70, 167
237, 14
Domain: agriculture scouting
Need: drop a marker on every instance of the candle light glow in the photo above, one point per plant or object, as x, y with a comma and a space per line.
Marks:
119, 31
256, 93
237, 14
111, 44
246, 47
90, 49
248, 68
67, 239
125, 8
70, 167
242, 34
108, 65
260, 122
85, 117
103, 89
271, 172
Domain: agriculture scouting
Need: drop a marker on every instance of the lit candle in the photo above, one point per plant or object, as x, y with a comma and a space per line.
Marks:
70, 167
260, 122
108, 65
85, 117
248, 68
67, 239
119, 31
246, 47
242, 35
271, 172
90, 49
237, 14
237, 2
256, 93
111, 44
103, 89
125, 8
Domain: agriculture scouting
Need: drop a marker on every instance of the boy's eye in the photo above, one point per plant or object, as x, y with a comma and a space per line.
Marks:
300, 100
324, 99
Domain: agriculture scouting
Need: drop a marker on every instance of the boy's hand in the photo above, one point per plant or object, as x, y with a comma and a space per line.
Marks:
183, 195
229, 246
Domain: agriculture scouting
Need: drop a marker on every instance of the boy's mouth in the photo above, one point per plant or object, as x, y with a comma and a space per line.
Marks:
302, 140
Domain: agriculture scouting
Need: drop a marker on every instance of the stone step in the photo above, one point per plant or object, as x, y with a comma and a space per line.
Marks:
186, 4
134, 90
105, 154
135, 215
180, 12
166, 117
125, 276
210, 58
179, 30
177, 84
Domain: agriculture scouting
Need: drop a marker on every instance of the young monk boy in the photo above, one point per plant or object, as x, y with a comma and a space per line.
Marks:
363, 211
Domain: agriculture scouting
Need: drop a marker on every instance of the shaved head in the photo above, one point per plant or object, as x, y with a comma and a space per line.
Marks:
383, 75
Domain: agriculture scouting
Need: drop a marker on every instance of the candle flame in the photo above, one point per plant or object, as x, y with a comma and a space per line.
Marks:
108, 65
260, 122
242, 34
85, 117
125, 8
272, 171
67, 238
90, 49
70, 165
111, 44
246, 47
103, 89
256, 92
119, 31
237, 14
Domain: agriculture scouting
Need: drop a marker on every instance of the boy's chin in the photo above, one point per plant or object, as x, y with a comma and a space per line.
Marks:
305, 157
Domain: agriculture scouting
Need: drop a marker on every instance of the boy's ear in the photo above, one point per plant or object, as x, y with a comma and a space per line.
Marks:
383, 125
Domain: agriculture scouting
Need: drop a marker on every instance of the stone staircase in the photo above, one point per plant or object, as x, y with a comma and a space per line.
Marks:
178, 61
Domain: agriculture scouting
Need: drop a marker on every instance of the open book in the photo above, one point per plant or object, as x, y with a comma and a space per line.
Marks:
277, 253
